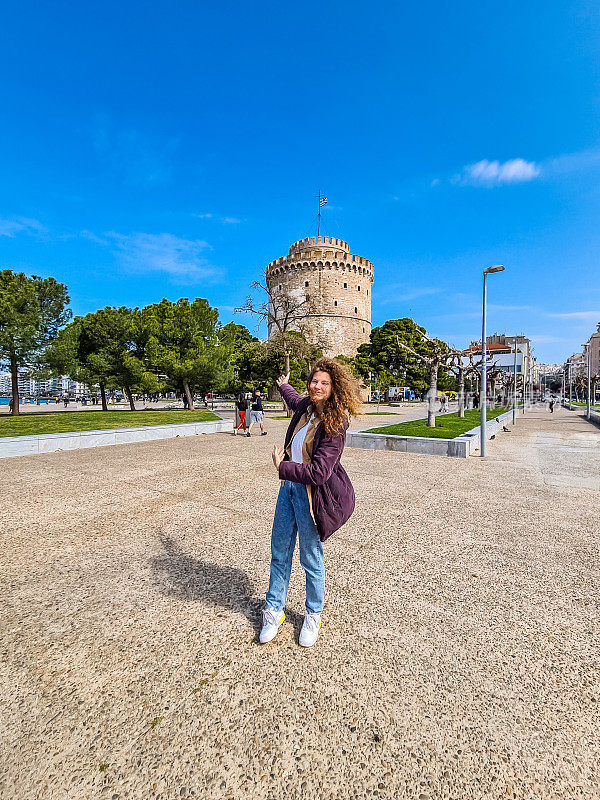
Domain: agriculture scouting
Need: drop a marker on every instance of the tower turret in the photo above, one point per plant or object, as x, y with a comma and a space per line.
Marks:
338, 285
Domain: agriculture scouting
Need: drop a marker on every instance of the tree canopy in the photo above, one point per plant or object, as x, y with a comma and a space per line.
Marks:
390, 364
32, 310
182, 343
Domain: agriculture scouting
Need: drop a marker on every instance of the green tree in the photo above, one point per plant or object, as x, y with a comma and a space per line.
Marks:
32, 310
235, 335
382, 354
181, 341
233, 338
123, 354
102, 348
261, 363
401, 353
256, 365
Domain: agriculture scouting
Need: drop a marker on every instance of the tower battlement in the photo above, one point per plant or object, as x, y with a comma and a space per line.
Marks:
338, 285
319, 241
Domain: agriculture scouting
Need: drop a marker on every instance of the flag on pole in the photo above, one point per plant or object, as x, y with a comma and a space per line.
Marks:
322, 202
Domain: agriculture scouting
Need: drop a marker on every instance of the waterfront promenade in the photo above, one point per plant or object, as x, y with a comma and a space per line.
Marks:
458, 656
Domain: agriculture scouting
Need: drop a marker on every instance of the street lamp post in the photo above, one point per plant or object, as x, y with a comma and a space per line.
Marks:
589, 381
587, 351
483, 397
515, 385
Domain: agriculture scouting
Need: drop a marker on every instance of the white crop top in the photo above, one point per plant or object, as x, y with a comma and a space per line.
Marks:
298, 442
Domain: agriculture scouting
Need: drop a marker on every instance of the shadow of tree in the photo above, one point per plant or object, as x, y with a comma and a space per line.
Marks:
181, 575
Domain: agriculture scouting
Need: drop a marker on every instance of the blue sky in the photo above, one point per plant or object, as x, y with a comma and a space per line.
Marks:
163, 149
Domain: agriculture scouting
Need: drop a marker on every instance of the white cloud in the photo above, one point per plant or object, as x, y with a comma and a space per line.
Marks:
13, 225
518, 170
495, 173
569, 163
218, 218
592, 316
91, 236
182, 259
500, 307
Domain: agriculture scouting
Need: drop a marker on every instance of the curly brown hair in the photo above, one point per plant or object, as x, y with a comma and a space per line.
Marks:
344, 400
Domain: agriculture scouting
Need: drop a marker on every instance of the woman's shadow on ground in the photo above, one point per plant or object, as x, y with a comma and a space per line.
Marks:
181, 575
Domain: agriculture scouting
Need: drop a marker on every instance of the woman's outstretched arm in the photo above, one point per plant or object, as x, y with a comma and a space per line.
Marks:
289, 394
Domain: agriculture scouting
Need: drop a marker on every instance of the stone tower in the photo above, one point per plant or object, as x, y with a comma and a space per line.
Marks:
338, 285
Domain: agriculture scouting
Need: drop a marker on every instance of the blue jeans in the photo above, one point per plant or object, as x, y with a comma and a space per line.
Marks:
292, 516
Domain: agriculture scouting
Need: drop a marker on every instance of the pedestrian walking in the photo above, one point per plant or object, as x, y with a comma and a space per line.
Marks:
256, 414
242, 406
552, 401
475, 400
316, 497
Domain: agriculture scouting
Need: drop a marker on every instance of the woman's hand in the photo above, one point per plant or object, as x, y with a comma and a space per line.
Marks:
283, 379
277, 456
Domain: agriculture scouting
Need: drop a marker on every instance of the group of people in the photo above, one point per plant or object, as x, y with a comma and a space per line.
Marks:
256, 413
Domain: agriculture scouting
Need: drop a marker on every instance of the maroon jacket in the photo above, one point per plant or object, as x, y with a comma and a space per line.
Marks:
332, 493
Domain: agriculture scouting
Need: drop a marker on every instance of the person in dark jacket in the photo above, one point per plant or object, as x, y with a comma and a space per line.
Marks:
316, 497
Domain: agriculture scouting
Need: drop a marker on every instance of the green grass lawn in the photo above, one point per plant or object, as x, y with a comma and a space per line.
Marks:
447, 426
36, 423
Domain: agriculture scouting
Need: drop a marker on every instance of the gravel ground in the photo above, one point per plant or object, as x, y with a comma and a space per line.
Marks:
458, 656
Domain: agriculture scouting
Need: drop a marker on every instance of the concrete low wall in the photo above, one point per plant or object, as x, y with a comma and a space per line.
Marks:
77, 440
594, 415
461, 447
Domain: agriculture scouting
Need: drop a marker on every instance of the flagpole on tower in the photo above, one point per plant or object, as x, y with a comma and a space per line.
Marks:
319, 217
322, 202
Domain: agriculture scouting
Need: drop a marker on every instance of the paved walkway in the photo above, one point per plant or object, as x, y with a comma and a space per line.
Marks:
458, 656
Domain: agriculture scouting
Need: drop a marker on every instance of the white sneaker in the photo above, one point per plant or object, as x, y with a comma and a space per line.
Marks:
310, 630
271, 622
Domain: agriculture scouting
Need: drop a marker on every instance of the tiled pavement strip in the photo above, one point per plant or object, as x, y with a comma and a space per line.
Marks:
458, 656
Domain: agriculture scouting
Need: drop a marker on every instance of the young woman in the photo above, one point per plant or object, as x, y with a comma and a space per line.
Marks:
316, 497
242, 406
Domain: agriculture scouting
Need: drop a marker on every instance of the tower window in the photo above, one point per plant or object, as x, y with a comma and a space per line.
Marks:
335, 302
355, 310
279, 287
363, 330
359, 288
367, 291
306, 283
345, 286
